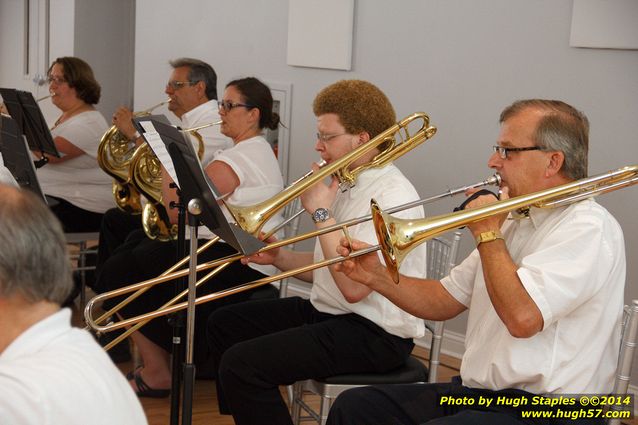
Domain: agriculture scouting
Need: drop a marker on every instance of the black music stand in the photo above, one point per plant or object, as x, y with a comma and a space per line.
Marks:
17, 157
201, 196
24, 109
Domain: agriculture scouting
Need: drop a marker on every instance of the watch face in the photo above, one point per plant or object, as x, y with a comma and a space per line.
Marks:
320, 215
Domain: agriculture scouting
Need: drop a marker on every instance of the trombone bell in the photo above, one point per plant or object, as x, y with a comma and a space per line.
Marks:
397, 237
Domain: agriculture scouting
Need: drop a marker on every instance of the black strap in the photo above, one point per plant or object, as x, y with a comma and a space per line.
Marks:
471, 198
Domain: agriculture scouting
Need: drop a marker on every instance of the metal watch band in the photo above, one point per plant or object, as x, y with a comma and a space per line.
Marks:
489, 236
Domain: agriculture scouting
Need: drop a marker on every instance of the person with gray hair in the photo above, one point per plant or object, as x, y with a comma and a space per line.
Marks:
192, 91
544, 289
50, 372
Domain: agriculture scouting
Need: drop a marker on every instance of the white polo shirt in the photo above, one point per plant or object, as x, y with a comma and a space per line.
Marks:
390, 188
54, 374
572, 263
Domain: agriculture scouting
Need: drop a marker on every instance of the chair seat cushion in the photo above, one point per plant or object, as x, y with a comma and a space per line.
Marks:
412, 371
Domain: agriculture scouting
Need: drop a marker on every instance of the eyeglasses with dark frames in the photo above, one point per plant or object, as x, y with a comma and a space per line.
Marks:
176, 85
502, 150
227, 105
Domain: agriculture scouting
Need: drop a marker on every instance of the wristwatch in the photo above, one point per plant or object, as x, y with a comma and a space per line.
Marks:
490, 236
320, 215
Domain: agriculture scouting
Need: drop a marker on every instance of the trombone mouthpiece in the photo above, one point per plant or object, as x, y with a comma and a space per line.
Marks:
495, 180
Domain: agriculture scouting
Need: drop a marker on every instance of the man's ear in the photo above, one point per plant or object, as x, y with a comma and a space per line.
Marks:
556, 160
200, 86
363, 138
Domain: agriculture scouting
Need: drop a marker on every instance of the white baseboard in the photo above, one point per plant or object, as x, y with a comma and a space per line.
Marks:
452, 345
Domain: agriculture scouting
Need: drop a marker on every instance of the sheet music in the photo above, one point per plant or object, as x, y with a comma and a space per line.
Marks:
154, 140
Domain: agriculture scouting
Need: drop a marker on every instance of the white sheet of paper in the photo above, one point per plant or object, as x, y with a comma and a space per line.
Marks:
153, 138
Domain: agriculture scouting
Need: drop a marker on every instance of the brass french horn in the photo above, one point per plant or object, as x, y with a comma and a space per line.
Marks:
114, 156
145, 174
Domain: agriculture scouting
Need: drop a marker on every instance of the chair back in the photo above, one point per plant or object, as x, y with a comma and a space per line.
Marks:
629, 335
442, 256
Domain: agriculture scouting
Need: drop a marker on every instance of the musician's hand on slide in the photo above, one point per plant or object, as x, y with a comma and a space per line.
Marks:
493, 222
365, 269
320, 194
266, 257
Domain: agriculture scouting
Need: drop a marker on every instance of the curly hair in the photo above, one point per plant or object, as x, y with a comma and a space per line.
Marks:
361, 106
79, 75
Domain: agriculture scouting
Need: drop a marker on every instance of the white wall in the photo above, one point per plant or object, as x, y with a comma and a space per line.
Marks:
461, 61
101, 33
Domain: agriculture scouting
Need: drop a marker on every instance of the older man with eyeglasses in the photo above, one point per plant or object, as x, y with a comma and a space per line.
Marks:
192, 91
544, 291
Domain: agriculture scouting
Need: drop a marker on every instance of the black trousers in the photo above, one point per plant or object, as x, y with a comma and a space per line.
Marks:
141, 259
116, 226
263, 344
417, 404
74, 219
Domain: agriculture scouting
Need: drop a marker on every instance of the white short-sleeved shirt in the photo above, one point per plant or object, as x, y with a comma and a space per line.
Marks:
390, 188
80, 180
5, 175
54, 374
256, 166
214, 140
572, 263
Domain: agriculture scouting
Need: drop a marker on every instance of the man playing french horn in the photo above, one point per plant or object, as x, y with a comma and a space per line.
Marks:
344, 327
544, 288
192, 92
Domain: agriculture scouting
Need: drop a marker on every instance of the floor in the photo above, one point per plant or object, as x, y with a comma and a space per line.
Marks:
205, 405
205, 409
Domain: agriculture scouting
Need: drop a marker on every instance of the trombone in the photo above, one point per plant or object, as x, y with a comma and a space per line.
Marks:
397, 237
252, 218
493, 180
416, 232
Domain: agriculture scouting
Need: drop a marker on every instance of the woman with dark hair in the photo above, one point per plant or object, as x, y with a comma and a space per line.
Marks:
81, 192
247, 173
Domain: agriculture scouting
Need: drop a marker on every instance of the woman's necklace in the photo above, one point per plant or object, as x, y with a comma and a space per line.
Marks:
71, 112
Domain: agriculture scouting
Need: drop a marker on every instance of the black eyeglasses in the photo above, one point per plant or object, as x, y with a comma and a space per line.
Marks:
227, 105
502, 151
176, 85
